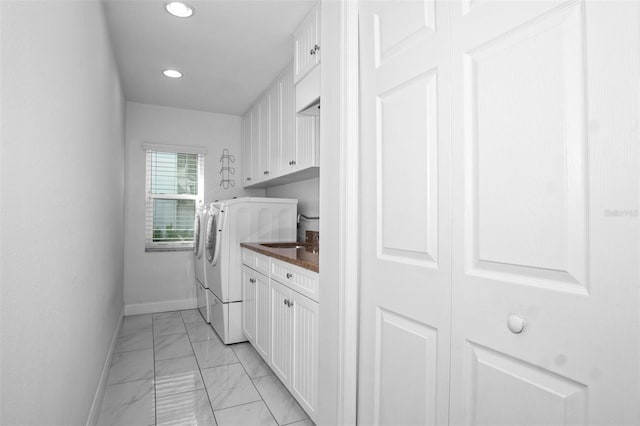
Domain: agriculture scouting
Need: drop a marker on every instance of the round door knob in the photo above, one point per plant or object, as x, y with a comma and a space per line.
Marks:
515, 323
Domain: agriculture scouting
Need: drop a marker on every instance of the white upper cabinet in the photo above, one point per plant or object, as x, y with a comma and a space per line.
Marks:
306, 44
287, 143
246, 149
264, 138
283, 146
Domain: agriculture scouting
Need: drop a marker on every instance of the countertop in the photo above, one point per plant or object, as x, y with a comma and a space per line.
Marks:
306, 257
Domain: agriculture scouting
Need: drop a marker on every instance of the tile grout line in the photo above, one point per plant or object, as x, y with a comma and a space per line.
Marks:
204, 384
256, 388
155, 391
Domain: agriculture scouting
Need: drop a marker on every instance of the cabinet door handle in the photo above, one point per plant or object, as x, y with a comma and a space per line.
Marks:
312, 52
290, 303
248, 178
266, 172
292, 162
289, 275
286, 302
315, 48
252, 280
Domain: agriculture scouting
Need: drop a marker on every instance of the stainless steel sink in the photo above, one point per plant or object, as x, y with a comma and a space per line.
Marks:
294, 244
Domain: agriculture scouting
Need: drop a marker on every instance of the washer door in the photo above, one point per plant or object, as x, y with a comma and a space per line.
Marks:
213, 236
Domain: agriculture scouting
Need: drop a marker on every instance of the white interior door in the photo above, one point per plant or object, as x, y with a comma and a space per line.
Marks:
405, 243
545, 141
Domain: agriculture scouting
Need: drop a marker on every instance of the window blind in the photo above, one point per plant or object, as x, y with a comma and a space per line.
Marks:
174, 186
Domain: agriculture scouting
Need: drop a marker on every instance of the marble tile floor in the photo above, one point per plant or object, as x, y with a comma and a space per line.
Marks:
172, 369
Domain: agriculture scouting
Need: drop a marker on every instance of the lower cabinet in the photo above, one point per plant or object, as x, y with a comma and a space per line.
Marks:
249, 303
282, 325
294, 344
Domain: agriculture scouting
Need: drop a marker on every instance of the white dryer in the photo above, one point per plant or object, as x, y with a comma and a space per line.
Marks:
199, 235
230, 223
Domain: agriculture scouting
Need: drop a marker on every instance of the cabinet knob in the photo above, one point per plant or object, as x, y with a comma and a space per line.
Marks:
266, 172
285, 301
515, 323
292, 162
248, 178
290, 303
252, 280
289, 275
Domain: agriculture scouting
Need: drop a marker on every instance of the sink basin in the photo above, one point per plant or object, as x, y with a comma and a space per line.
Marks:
294, 244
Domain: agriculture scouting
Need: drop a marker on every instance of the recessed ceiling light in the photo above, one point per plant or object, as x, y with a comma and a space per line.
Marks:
172, 73
179, 9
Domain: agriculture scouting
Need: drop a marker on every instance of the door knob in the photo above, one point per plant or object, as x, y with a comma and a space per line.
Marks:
515, 323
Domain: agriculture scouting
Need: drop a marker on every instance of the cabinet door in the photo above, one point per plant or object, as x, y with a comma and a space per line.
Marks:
263, 320
305, 39
246, 149
304, 384
307, 136
287, 142
264, 138
253, 176
274, 129
281, 327
249, 303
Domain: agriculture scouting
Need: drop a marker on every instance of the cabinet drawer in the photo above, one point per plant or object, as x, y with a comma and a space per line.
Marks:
256, 261
296, 278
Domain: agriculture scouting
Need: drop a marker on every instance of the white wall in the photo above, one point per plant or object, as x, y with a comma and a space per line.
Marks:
159, 281
62, 208
308, 194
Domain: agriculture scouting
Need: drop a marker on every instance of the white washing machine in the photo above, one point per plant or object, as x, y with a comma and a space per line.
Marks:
199, 232
230, 223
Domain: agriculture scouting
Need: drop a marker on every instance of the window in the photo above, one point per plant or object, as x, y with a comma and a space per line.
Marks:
174, 186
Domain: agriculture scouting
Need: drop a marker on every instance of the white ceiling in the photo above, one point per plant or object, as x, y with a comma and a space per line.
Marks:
228, 51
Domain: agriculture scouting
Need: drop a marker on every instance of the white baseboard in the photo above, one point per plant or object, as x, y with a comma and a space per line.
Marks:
153, 307
94, 412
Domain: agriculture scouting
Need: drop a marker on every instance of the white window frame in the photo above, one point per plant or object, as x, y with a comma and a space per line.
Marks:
149, 148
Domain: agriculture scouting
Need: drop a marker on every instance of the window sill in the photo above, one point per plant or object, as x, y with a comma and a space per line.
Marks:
165, 249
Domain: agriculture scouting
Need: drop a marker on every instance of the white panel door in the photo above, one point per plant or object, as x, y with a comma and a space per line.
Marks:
287, 147
281, 327
263, 320
249, 303
545, 277
304, 384
405, 234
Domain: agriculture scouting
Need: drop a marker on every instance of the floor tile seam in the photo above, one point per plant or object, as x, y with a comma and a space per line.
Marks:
132, 350
170, 334
204, 383
131, 381
185, 391
261, 360
290, 394
245, 403
217, 366
155, 393
257, 390
178, 357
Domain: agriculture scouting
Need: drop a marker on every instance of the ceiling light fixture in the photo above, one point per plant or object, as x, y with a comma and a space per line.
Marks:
179, 9
172, 73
